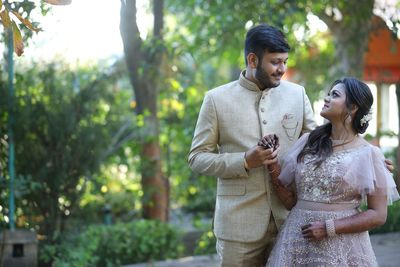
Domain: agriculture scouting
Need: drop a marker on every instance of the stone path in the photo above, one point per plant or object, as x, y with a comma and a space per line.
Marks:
386, 247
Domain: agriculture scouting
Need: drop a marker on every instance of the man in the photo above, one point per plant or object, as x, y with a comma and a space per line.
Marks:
232, 119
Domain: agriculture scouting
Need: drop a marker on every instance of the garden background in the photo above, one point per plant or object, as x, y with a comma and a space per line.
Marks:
98, 142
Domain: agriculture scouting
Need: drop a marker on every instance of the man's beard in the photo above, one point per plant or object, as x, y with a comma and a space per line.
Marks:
264, 79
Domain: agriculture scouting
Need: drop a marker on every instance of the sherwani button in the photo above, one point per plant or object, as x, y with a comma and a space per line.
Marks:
264, 122
262, 109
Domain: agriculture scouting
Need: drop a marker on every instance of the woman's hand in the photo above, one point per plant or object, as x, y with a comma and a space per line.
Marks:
269, 141
314, 231
389, 165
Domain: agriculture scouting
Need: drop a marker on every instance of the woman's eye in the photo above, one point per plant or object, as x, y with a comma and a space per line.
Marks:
333, 94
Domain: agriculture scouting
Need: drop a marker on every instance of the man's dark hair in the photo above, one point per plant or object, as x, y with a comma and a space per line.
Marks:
265, 37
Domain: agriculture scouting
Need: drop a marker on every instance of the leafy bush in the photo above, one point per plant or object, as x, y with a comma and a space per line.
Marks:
206, 244
119, 244
65, 125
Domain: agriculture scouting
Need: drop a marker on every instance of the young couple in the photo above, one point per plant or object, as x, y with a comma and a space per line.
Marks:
246, 128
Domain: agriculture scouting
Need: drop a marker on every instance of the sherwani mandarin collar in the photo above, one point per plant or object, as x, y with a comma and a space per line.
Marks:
247, 83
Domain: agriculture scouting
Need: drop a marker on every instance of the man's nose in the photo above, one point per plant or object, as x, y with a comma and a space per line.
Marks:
282, 67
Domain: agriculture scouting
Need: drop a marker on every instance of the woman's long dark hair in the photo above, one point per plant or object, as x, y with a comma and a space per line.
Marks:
319, 142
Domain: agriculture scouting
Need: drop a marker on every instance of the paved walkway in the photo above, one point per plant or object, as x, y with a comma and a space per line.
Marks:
386, 247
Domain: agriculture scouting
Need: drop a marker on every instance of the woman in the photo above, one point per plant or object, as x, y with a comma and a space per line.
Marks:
324, 178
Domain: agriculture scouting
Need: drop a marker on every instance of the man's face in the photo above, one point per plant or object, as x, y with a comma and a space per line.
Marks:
271, 69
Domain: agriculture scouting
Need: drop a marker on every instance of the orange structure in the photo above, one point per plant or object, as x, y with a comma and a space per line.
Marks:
382, 59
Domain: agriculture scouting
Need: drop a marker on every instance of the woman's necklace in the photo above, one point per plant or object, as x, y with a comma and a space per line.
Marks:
341, 143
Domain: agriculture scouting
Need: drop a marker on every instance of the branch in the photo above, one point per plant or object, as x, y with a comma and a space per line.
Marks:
118, 140
158, 18
132, 46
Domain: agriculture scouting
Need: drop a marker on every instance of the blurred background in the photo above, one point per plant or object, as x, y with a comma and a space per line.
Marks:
98, 111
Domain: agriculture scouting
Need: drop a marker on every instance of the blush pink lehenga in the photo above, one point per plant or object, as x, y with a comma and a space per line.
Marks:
333, 190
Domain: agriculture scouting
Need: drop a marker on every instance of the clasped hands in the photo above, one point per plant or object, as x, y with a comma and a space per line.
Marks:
264, 153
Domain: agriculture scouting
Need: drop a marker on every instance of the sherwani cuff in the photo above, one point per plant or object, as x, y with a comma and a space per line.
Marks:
238, 163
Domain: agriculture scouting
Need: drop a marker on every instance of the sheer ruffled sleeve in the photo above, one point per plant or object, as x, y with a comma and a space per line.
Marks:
369, 175
289, 165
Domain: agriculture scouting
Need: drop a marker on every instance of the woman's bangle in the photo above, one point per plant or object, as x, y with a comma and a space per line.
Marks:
330, 228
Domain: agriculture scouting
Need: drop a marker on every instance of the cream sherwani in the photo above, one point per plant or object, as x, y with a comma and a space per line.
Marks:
232, 119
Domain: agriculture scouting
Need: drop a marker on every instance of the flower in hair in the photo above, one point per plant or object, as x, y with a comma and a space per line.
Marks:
366, 118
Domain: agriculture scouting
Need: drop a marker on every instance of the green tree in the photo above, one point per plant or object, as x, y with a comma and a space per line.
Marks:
66, 124
217, 28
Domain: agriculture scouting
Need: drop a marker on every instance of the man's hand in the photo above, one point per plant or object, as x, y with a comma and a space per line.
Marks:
314, 231
389, 165
259, 156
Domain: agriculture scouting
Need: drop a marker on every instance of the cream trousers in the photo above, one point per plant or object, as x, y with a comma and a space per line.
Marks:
254, 254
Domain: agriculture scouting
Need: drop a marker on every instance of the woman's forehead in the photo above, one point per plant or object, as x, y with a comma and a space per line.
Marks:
339, 87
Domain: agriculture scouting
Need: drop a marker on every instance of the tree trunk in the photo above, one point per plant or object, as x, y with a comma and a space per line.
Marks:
397, 178
350, 25
144, 63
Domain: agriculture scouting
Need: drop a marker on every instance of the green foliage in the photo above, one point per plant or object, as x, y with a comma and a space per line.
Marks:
180, 100
313, 58
379, 134
64, 125
217, 28
117, 185
138, 241
206, 244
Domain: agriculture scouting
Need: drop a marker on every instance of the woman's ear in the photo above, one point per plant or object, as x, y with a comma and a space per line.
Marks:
354, 109
252, 60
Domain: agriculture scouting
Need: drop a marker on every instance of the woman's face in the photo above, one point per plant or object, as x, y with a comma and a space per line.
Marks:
335, 108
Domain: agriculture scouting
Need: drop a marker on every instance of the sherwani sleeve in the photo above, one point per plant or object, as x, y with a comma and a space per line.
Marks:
309, 123
204, 157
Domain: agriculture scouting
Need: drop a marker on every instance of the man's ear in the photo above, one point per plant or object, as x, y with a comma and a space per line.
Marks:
252, 60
